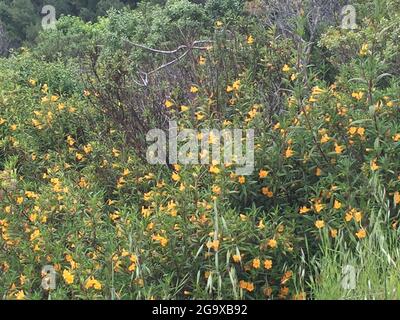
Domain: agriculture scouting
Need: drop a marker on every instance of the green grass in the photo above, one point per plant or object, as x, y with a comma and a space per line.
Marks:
375, 261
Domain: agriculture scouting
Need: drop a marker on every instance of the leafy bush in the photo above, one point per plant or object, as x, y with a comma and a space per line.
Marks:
76, 194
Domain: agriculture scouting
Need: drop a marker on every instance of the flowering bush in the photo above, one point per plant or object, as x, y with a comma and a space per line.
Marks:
76, 194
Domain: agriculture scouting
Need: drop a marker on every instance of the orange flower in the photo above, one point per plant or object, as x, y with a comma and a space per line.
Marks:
358, 95
249, 286
175, 177
286, 68
320, 224
93, 283
318, 207
256, 263
20, 295
337, 205
338, 149
289, 153
304, 210
396, 198
263, 174
250, 40
261, 225
213, 245
374, 165
286, 277
214, 170
236, 85
272, 243
268, 264
68, 277
194, 89
352, 130
357, 215
184, 108
317, 91
266, 192
162, 240
216, 189
361, 234
237, 258
390, 104
325, 138
169, 103
349, 216
364, 49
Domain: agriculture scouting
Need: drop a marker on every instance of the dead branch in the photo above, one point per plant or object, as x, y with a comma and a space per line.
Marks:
196, 45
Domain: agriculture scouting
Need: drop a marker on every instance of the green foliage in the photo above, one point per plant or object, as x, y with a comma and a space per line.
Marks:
69, 41
18, 18
22, 18
76, 193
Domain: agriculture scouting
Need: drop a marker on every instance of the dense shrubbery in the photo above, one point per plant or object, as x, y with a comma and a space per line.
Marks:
75, 192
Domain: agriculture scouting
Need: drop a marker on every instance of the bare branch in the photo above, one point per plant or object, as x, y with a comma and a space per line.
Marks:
169, 63
196, 45
193, 46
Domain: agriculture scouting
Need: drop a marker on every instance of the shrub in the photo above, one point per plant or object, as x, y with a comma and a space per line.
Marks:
76, 194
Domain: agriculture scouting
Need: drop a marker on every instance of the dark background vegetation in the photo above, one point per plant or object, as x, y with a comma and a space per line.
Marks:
20, 20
